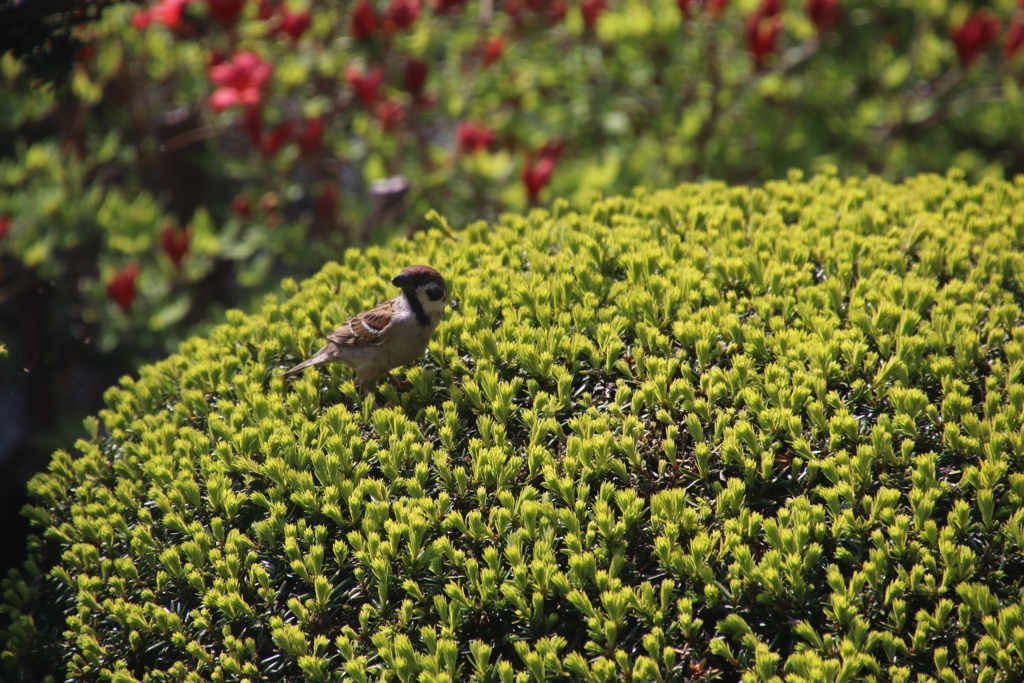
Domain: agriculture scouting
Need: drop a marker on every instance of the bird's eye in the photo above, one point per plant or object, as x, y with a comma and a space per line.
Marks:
434, 291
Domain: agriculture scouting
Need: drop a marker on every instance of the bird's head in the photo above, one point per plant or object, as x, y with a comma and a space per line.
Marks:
425, 285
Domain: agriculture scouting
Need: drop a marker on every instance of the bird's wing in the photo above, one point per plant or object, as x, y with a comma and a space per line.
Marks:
370, 328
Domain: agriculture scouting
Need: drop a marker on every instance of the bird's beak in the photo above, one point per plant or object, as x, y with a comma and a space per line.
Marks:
400, 280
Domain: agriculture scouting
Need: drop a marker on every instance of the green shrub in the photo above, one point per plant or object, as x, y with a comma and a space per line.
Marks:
146, 195
134, 158
709, 433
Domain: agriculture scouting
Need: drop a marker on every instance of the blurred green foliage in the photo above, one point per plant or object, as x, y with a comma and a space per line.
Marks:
612, 95
714, 433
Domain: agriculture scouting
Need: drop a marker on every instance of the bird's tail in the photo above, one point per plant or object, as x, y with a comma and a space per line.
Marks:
315, 360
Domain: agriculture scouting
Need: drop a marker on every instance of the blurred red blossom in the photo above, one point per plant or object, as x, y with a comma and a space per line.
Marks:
416, 78
552, 149
1014, 41
536, 175
5, 225
325, 203
141, 20
390, 113
175, 243
553, 10
512, 8
473, 137
264, 10
442, 6
121, 287
493, 50
716, 8
170, 13
769, 8
225, 11
591, 10
294, 24
713, 8
366, 85
240, 81
273, 140
401, 14
364, 20
977, 33
85, 53
761, 32
310, 139
241, 206
252, 123
824, 14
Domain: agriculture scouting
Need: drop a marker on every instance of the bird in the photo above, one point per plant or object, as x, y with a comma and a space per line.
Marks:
390, 335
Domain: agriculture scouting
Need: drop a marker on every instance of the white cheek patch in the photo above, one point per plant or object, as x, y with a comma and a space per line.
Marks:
430, 305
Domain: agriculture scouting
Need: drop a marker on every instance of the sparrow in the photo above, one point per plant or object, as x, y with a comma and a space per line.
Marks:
391, 334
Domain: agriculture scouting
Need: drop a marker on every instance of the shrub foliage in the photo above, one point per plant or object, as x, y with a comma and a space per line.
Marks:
709, 433
200, 150
199, 145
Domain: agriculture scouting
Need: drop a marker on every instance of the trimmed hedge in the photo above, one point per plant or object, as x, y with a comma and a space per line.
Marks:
709, 433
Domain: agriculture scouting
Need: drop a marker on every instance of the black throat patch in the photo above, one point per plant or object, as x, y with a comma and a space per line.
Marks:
417, 308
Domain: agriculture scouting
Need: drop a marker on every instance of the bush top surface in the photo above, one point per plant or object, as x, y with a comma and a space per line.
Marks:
714, 432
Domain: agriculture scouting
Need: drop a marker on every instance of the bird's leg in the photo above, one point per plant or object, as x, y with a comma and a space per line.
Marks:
399, 383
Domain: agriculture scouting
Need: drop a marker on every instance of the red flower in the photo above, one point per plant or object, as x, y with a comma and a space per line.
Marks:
769, 8
364, 20
294, 24
514, 9
824, 14
980, 31
325, 203
401, 14
761, 32
367, 86
85, 53
716, 7
536, 175
416, 78
474, 137
225, 11
443, 6
277, 137
1014, 39
591, 10
553, 9
252, 122
552, 149
170, 13
121, 288
713, 8
686, 6
390, 113
240, 81
311, 137
493, 49
174, 243
141, 20
264, 10
241, 206
5, 225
